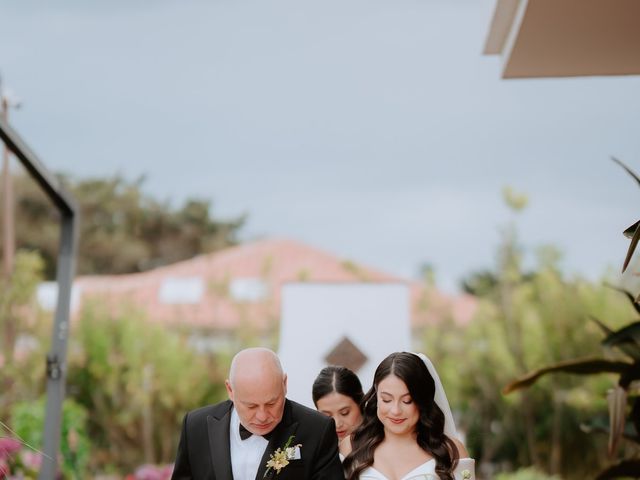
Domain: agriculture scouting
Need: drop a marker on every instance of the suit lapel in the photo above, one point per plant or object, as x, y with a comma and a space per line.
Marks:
218, 429
281, 434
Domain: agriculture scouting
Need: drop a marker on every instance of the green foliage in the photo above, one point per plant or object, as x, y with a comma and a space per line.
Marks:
526, 319
526, 474
137, 380
624, 342
551, 326
20, 320
27, 419
16, 295
27, 273
122, 230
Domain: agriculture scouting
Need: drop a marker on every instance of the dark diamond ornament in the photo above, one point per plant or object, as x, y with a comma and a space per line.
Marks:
345, 353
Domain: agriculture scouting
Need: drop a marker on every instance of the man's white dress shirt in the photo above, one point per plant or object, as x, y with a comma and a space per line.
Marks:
245, 454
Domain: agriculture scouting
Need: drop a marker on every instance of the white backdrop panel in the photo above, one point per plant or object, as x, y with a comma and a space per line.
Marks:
316, 316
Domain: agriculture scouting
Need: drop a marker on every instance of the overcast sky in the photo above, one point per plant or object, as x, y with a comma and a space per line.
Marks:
373, 129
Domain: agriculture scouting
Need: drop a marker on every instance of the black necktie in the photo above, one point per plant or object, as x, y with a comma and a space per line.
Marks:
244, 433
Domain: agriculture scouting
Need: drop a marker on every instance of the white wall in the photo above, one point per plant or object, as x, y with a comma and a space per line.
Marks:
316, 316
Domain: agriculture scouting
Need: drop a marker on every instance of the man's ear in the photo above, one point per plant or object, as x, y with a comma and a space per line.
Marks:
284, 382
227, 385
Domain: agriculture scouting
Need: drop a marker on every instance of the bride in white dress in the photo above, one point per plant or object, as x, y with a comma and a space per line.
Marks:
407, 432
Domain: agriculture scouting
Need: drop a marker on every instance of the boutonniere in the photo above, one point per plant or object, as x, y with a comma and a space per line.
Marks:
280, 458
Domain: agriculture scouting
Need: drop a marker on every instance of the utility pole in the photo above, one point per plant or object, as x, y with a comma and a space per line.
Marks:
8, 221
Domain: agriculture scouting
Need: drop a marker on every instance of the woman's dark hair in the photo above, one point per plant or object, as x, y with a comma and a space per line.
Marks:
337, 379
430, 427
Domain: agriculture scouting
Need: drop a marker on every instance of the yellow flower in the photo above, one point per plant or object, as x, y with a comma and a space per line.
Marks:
280, 458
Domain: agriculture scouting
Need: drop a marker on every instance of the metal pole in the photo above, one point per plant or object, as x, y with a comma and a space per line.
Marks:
8, 236
56, 359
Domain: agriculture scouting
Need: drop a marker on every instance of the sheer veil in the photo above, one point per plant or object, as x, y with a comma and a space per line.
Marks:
441, 399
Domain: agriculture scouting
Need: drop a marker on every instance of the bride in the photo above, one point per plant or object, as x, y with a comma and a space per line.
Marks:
407, 432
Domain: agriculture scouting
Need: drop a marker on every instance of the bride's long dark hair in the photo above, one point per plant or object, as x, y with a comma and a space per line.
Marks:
430, 427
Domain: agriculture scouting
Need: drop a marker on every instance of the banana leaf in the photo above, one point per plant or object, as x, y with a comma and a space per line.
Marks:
626, 468
581, 366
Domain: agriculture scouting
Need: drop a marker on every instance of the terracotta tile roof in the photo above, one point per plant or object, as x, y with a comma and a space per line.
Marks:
267, 264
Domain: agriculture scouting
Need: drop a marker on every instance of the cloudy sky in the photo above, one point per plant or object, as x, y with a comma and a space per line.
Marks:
373, 129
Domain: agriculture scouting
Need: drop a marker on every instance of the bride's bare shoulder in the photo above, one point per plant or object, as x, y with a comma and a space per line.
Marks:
462, 451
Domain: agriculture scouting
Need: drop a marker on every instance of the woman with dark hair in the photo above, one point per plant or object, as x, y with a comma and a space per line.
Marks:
402, 435
337, 392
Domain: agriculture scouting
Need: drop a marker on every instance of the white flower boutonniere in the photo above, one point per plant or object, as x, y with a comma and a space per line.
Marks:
280, 458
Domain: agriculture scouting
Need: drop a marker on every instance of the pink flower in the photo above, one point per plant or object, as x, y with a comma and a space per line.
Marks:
148, 472
167, 470
31, 460
9, 446
4, 468
152, 472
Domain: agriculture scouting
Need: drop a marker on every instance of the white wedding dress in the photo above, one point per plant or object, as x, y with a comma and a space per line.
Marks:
465, 470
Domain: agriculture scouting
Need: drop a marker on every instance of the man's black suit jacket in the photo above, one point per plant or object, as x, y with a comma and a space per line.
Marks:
204, 454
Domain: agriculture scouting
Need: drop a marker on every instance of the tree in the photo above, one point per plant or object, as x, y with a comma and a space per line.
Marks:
122, 230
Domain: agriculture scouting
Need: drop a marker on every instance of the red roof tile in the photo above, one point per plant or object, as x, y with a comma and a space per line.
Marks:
273, 262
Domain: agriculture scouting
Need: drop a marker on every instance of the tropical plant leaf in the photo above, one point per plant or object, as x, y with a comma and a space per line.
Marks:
630, 375
634, 416
632, 247
581, 366
633, 231
606, 330
630, 231
627, 334
634, 302
630, 348
603, 429
625, 468
629, 171
617, 400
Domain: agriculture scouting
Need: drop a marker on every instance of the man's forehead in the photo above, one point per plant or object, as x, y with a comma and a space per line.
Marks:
256, 400
259, 386
257, 378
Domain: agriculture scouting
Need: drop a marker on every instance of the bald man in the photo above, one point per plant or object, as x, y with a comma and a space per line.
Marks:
235, 439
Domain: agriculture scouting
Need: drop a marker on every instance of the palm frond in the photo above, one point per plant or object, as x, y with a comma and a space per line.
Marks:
584, 366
